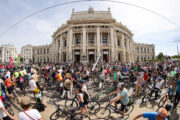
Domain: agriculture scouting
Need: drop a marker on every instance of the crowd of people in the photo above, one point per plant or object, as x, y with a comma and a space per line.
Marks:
73, 78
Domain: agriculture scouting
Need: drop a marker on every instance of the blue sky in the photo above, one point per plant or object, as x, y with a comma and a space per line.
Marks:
37, 30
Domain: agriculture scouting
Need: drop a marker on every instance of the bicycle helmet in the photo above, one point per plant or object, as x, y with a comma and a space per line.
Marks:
36, 90
119, 85
162, 112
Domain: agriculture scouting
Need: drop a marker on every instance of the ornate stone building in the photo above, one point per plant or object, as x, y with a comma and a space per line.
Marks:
86, 36
144, 52
27, 53
41, 54
7, 51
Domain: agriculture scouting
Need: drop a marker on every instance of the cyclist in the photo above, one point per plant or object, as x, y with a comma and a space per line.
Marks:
4, 114
140, 81
121, 98
67, 85
157, 87
160, 115
116, 77
177, 97
9, 86
83, 85
82, 101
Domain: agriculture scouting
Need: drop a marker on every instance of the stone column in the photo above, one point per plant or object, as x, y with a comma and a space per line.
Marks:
98, 41
112, 45
128, 49
84, 43
70, 44
67, 46
116, 51
60, 49
123, 47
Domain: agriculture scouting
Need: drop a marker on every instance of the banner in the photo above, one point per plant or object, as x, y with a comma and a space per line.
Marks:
96, 62
11, 62
18, 61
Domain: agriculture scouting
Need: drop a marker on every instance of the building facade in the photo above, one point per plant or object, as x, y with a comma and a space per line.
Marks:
7, 51
87, 35
41, 54
144, 52
27, 53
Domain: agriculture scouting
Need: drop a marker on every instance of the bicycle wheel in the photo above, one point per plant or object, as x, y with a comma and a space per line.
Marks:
162, 101
56, 115
145, 99
102, 112
10, 111
81, 117
71, 104
92, 106
129, 109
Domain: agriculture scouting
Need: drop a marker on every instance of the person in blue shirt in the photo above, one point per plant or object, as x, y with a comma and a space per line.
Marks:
177, 97
160, 115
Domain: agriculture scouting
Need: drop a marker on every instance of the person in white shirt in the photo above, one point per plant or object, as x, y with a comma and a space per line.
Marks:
60, 71
84, 87
4, 114
28, 114
157, 87
32, 84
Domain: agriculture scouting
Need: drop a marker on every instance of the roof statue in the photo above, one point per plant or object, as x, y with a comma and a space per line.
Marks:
90, 10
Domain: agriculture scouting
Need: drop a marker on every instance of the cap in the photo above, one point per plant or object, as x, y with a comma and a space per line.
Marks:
81, 81
162, 112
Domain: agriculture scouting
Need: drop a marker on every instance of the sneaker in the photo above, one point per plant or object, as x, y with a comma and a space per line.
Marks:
122, 118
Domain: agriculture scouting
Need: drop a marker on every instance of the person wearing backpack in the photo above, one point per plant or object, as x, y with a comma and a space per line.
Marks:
83, 101
40, 103
67, 85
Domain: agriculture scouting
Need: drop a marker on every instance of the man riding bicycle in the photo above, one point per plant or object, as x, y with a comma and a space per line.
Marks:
121, 98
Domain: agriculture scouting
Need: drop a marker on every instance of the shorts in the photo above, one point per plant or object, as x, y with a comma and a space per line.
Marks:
10, 89
122, 106
81, 105
67, 89
7, 118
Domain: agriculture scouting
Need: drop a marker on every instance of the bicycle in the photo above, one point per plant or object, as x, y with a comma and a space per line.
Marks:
168, 96
59, 113
72, 104
105, 112
149, 97
7, 106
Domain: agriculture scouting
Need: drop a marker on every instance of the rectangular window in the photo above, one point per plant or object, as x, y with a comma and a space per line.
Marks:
104, 41
118, 42
78, 41
65, 43
91, 39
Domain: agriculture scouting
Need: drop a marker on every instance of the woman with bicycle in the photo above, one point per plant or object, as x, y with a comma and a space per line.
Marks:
83, 102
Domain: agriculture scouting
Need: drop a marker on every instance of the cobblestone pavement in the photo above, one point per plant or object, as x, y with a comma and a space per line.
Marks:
138, 108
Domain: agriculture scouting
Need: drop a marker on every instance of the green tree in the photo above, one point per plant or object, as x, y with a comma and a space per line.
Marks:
160, 56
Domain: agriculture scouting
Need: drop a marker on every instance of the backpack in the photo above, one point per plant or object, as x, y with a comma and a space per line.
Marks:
85, 97
39, 106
